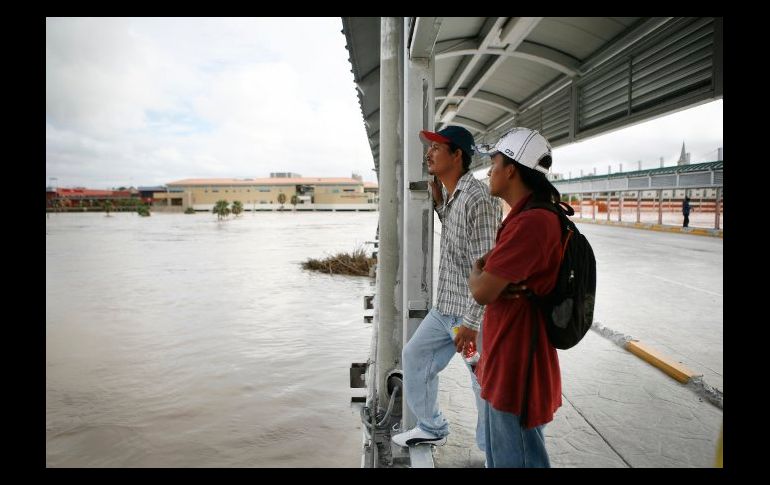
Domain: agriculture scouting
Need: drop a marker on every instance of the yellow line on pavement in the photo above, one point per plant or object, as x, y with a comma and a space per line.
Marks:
698, 231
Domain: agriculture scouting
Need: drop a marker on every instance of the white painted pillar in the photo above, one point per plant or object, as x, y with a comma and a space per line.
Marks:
417, 247
638, 206
388, 311
660, 206
717, 207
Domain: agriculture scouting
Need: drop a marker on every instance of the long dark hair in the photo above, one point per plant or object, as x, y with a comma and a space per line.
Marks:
536, 181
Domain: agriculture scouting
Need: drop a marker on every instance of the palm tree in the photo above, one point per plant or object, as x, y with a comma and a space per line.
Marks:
294, 201
281, 199
108, 207
221, 209
237, 208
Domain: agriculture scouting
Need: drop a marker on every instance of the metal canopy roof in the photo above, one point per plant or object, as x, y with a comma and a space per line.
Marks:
569, 77
701, 175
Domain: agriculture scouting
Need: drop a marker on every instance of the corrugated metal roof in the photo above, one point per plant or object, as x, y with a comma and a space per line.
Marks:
694, 167
569, 77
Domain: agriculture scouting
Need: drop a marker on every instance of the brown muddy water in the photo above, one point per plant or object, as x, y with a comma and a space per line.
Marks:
180, 341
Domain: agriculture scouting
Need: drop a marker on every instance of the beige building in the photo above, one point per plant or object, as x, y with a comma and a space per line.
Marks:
308, 193
372, 190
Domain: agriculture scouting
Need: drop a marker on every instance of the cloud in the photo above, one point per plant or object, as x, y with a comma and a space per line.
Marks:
156, 100
149, 101
700, 128
99, 80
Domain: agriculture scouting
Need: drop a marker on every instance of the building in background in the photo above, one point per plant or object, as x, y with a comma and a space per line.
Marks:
296, 192
163, 198
372, 190
684, 158
81, 198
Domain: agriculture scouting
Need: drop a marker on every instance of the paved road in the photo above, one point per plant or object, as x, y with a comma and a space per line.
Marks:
619, 411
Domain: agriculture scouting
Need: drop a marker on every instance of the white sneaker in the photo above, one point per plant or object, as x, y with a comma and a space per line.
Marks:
416, 436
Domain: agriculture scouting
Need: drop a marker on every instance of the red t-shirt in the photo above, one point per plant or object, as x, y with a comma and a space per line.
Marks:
528, 248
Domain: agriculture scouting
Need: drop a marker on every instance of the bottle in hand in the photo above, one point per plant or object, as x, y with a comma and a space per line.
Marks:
470, 355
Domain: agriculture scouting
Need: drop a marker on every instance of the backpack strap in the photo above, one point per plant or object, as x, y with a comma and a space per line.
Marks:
562, 210
532, 347
561, 207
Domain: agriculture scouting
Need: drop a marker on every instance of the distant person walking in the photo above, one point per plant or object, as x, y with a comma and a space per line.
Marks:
469, 218
686, 211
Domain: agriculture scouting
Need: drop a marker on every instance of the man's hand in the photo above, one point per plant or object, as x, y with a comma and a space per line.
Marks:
435, 188
465, 338
479, 263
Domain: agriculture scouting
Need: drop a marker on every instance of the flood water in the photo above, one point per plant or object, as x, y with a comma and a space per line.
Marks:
180, 341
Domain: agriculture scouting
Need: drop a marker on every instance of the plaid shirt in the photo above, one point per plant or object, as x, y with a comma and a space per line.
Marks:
469, 225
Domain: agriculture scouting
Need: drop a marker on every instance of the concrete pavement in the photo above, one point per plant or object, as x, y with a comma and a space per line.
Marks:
662, 289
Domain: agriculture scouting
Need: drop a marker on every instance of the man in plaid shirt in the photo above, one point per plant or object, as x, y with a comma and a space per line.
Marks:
469, 217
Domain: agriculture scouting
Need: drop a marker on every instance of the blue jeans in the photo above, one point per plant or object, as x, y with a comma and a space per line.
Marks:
511, 446
426, 354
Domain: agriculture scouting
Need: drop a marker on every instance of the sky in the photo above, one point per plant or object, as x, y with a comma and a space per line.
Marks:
138, 102
150, 101
700, 128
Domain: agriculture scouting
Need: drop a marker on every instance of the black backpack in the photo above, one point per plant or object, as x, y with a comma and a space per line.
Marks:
568, 310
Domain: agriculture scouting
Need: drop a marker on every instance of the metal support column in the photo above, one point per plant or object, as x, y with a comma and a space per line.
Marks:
638, 206
660, 206
389, 308
417, 247
580, 196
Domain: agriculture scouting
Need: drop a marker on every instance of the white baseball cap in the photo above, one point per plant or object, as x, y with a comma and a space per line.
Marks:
525, 146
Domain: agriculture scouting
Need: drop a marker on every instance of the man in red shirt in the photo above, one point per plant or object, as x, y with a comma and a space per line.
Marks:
527, 255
